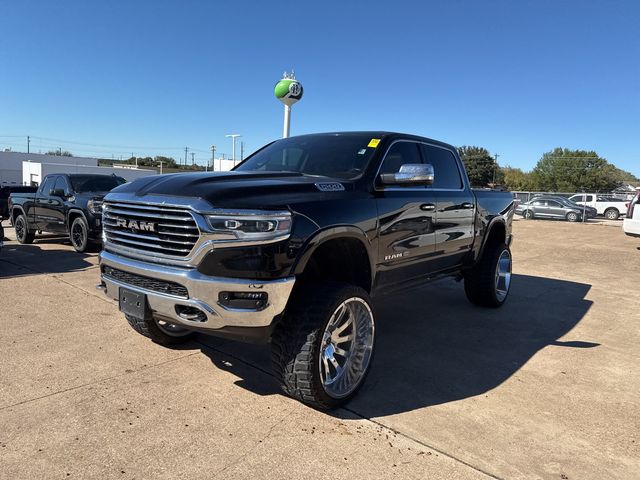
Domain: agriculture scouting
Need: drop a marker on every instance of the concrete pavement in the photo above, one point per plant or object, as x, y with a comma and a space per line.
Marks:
545, 387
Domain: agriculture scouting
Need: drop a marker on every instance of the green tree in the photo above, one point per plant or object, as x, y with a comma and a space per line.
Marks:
516, 179
564, 170
60, 153
481, 167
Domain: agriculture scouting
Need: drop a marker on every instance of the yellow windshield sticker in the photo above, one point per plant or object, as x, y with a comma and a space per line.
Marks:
374, 142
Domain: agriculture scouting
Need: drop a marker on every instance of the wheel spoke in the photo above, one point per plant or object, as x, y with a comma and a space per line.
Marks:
338, 340
340, 351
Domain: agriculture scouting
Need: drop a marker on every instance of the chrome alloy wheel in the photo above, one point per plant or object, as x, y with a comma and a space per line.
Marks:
346, 348
503, 275
172, 329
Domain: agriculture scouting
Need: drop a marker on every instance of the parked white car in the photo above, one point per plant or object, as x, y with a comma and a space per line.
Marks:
631, 224
610, 207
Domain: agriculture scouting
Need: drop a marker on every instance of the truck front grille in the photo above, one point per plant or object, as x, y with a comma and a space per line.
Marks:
150, 229
147, 283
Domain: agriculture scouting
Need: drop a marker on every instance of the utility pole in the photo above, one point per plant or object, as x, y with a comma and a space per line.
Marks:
186, 150
233, 137
213, 158
241, 150
495, 167
161, 162
192, 160
28, 142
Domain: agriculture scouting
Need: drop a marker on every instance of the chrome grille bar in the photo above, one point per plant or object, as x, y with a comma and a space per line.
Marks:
153, 229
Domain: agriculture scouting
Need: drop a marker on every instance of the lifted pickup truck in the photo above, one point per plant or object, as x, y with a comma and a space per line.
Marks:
67, 204
291, 246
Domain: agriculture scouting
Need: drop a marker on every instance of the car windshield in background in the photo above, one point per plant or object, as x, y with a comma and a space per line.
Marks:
93, 183
343, 156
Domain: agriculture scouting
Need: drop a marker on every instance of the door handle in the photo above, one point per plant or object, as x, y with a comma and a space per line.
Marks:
467, 205
427, 207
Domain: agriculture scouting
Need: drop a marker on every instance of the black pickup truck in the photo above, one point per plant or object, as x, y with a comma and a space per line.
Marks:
66, 204
291, 246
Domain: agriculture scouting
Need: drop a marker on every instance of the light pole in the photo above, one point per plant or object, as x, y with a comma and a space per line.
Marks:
213, 158
233, 137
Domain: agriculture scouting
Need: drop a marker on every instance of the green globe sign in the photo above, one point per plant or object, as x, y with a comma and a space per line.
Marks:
288, 91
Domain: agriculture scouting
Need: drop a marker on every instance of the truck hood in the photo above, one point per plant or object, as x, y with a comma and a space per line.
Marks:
238, 189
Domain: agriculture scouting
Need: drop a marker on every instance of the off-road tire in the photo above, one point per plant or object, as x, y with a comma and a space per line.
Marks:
480, 281
295, 343
27, 236
572, 217
149, 328
611, 213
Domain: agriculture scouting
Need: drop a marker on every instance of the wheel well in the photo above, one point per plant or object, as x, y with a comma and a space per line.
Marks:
72, 216
611, 208
497, 235
341, 260
15, 213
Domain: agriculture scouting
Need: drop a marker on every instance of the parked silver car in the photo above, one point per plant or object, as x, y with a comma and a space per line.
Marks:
555, 207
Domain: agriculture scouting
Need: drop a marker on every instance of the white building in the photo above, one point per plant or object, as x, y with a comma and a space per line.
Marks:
30, 168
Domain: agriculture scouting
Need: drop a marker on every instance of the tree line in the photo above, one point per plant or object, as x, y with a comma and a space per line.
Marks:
560, 170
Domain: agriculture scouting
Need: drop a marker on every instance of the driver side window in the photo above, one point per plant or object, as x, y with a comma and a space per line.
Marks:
400, 154
61, 184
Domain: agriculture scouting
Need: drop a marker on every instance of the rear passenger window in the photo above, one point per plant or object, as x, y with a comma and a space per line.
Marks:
445, 167
400, 154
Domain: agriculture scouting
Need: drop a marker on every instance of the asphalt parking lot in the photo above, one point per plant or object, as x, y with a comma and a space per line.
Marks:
546, 387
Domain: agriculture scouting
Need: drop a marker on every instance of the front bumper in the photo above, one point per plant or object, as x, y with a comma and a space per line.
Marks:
203, 293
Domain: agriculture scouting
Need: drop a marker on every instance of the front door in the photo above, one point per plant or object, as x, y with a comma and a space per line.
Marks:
407, 216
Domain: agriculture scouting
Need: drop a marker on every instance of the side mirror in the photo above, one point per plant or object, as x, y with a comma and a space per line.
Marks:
410, 174
57, 192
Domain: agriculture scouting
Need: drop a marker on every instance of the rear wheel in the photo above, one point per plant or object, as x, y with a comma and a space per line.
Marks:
160, 331
611, 214
322, 348
23, 234
572, 217
489, 282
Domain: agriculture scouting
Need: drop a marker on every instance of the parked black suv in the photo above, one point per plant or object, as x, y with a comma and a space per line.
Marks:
67, 204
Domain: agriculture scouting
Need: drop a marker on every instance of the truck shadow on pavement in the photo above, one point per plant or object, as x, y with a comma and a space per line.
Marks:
434, 347
18, 260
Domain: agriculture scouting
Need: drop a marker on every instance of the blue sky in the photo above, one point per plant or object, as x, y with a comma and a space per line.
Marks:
518, 78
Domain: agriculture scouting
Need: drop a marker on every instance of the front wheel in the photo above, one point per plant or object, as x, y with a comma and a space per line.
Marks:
323, 346
488, 283
159, 331
528, 214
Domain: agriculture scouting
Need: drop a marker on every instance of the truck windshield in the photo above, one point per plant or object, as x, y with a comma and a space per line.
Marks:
95, 183
343, 156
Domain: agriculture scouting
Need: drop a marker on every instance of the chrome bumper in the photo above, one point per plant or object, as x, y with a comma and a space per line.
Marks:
203, 294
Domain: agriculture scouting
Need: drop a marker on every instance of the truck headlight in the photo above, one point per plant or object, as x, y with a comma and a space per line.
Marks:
250, 225
95, 206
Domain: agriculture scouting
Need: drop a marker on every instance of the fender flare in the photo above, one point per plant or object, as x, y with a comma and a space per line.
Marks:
17, 207
73, 211
333, 233
492, 224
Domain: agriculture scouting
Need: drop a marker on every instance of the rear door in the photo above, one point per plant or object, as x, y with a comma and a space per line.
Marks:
540, 208
555, 209
407, 216
455, 206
